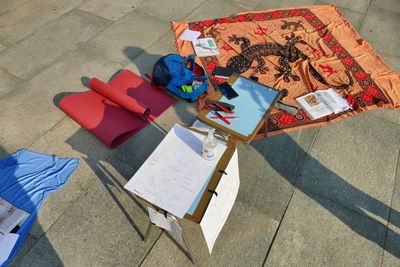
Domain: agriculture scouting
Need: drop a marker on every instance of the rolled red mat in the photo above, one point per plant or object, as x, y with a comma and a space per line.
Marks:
125, 101
111, 118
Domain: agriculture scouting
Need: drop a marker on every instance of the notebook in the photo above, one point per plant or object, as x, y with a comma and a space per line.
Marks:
205, 47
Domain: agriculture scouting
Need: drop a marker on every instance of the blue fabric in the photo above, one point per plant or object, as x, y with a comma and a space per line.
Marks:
172, 71
26, 179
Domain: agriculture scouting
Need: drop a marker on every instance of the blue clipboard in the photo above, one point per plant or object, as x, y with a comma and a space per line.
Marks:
254, 102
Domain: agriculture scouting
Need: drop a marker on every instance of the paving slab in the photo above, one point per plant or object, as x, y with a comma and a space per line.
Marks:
104, 227
182, 112
284, 3
214, 9
10, 84
319, 232
381, 29
355, 17
175, 10
269, 168
139, 147
396, 196
392, 115
391, 61
110, 9
68, 139
249, 5
37, 52
29, 242
243, 241
359, 170
31, 16
135, 30
391, 256
144, 63
2, 47
392, 5
359, 6
21, 126
7, 5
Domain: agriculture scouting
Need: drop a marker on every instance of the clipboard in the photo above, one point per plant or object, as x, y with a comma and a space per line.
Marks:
253, 104
212, 184
201, 208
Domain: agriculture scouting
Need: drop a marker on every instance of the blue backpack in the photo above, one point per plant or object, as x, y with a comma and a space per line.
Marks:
173, 71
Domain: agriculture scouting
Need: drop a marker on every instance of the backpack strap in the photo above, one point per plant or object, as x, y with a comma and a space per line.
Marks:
190, 61
200, 103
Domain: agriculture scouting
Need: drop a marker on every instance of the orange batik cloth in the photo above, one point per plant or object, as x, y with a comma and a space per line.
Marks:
298, 50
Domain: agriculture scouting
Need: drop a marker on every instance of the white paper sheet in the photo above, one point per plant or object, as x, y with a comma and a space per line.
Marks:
7, 243
175, 172
168, 223
220, 206
201, 126
189, 35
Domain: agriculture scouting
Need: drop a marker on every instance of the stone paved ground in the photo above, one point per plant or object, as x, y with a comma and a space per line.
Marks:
317, 197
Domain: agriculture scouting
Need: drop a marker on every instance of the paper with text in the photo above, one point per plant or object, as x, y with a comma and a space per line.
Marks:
220, 205
175, 172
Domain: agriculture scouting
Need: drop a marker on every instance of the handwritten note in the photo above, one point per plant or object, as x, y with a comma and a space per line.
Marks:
175, 172
220, 205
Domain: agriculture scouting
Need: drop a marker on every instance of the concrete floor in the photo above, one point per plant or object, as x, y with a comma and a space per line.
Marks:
326, 196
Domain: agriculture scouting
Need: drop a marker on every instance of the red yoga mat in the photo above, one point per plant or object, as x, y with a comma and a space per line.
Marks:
113, 112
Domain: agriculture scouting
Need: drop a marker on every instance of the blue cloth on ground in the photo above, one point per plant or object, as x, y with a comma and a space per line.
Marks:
26, 179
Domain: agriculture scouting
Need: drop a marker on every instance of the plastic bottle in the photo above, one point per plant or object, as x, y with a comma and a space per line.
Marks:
210, 146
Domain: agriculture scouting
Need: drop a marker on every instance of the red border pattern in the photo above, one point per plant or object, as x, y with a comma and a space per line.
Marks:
370, 95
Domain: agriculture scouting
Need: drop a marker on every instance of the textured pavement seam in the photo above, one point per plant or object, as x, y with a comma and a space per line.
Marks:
396, 176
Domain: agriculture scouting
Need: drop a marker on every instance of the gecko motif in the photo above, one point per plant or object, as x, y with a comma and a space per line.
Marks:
287, 54
291, 25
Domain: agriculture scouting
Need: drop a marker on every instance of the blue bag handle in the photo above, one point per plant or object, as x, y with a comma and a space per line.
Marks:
202, 77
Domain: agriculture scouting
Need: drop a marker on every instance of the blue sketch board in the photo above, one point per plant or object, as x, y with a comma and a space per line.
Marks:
196, 201
253, 102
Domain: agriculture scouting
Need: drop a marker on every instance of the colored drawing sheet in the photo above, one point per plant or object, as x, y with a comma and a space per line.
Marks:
250, 106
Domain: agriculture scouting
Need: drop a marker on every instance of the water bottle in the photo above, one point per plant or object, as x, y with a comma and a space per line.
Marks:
210, 146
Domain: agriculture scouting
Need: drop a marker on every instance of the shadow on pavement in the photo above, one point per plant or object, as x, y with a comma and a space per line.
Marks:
9, 166
319, 179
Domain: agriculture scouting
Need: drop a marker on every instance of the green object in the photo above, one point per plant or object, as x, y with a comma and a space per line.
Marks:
187, 88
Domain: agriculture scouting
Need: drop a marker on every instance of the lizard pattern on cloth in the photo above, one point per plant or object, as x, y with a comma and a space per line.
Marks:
287, 54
